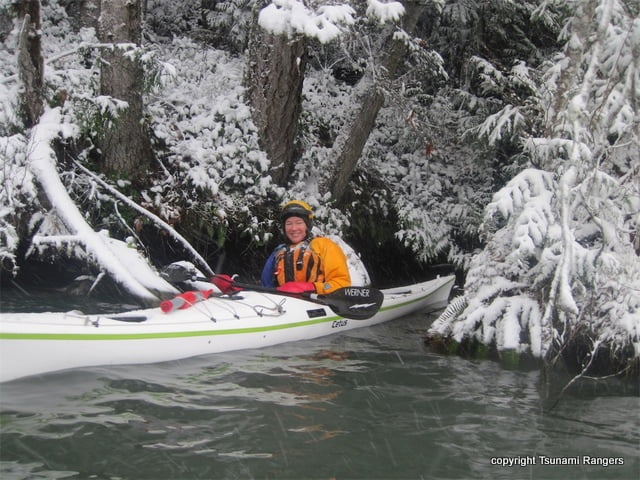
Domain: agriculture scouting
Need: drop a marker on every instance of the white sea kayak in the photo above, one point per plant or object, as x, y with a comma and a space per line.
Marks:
38, 343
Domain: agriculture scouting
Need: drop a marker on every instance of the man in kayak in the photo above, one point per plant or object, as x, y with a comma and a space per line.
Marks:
305, 263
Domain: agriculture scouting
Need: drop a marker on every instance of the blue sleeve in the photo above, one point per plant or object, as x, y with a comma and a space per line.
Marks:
266, 278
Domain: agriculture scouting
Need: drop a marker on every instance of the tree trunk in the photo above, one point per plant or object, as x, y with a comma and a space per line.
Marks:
31, 63
89, 14
124, 142
352, 142
275, 74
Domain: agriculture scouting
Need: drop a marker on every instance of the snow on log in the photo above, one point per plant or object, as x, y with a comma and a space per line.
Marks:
124, 265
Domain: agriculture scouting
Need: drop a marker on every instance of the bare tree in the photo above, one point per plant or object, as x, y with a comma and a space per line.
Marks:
275, 73
351, 142
89, 13
124, 141
30, 63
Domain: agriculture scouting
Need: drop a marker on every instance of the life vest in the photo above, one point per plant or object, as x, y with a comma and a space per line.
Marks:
297, 263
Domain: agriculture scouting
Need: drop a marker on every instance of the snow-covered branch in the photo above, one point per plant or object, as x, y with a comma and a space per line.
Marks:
326, 22
154, 218
126, 268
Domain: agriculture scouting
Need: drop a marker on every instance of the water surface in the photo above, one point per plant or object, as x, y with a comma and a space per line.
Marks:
367, 404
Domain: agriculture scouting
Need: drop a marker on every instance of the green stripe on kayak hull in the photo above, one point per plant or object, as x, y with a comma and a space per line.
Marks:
183, 334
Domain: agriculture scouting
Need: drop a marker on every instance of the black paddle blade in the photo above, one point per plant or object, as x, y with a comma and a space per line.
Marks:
358, 303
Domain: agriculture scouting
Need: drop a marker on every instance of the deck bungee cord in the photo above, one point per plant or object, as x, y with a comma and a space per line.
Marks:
354, 302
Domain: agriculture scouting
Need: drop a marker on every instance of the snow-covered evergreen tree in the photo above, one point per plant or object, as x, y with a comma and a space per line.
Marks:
560, 274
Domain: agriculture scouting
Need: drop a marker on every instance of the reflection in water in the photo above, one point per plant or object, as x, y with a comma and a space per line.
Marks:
367, 404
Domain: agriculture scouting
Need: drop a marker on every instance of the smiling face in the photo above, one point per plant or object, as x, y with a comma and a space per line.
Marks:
295, 229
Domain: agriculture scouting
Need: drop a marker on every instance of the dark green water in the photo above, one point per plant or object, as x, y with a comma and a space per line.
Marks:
370, 404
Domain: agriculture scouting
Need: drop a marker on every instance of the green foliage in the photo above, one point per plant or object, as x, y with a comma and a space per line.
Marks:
176, 18
503, 32
95, 115
229, 23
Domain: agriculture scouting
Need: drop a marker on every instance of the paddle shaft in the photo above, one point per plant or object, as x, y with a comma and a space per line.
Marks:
357, 303
259, 288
